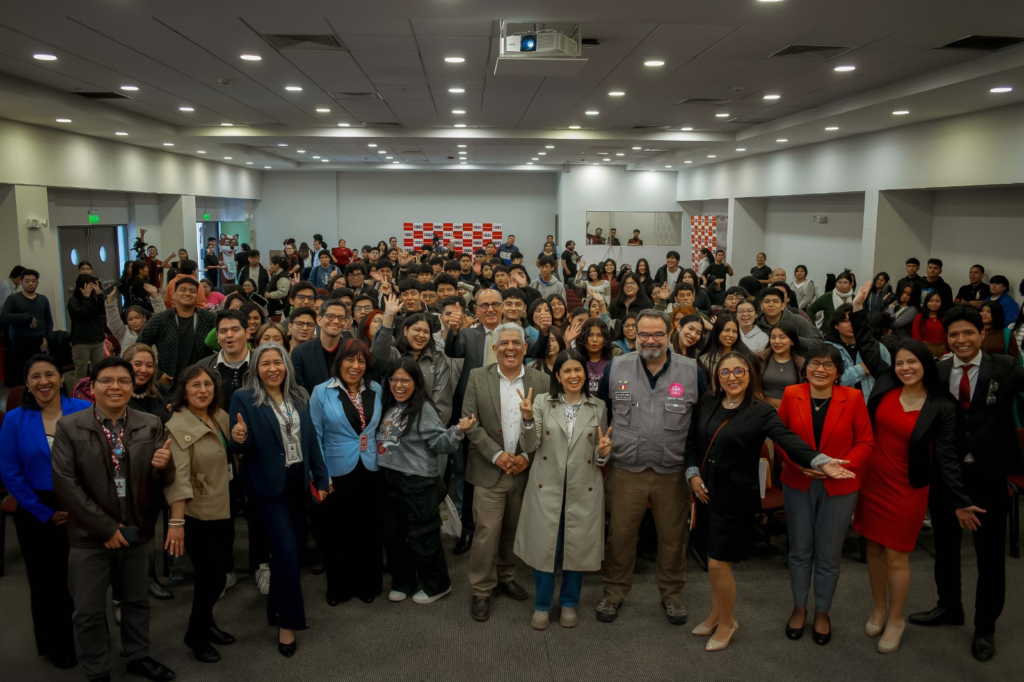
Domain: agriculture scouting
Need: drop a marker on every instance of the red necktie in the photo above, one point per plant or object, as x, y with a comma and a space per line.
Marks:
965, 388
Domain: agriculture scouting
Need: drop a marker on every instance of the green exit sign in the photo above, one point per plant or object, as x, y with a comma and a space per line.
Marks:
206, 216
94, 218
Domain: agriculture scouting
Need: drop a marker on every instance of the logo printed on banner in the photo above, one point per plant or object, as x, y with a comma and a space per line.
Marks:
462, 237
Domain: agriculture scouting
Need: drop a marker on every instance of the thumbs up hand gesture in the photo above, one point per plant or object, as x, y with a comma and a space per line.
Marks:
238, 432
161, 456
526, 406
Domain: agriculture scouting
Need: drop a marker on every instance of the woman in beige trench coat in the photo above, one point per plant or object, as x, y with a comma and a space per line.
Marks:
563, 508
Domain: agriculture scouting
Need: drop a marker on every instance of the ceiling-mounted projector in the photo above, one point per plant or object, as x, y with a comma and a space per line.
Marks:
535, 49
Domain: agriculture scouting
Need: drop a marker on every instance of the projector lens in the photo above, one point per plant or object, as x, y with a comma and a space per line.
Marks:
528, 44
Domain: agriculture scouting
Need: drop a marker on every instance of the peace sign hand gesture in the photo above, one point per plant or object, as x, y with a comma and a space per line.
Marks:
526, 406
604, 443
238, 432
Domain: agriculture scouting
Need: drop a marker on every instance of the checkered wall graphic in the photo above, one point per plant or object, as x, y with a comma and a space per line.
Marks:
462, 236
703, 234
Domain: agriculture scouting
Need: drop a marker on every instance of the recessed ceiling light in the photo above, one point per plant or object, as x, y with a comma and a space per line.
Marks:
741, 149
592, 112
43, 57
301, 151
637, 148
832, 128
772, 96
901, 112
597, 164
535, 158
251, 57
654, 62
323, 110
620, 153
712, 156
389, 157
129, 88
769, 0
463, 152
227, 158
616, 93
324, 160
201, 151
458, 111
542, 153
454, 60
456, 91
687, 161
248, 163
461, 146
267, 167
316, 157
846, 67
63, 120
606, 159
574, 127
293, 88
395, 162
460, 125
122, 133
344, 125
281, 144
529, 163
462, 163
228, 125
721, 115
1001, 89
168, 144
668, 166
549, 146
185, 109
782, 139
372, 144
686, 129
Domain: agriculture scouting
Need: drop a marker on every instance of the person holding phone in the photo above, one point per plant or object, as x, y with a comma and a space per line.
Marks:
110, 467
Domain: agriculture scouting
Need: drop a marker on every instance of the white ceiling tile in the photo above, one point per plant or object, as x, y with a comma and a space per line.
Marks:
455, 27
682, 40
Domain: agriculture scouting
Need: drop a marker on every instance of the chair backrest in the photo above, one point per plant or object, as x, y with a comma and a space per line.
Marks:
14, 397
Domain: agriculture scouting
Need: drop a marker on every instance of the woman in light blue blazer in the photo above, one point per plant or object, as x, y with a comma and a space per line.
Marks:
346, 411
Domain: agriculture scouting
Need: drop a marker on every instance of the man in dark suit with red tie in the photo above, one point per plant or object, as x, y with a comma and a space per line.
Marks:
984, 387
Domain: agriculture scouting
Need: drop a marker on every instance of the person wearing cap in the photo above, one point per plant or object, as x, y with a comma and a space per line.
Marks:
178, 334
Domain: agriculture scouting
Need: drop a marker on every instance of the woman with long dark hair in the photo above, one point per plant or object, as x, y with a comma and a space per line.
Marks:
40, 523
631, 298
781, 362
590, 279
803, 288
701, 300
997, 338
725, 336
346, 411
643, 271
609, 273
556, 344
881, 290
689, 340
928, 327
200, 499
595, 342
903, 310
282, 465
723, 468
148, 394
412, 448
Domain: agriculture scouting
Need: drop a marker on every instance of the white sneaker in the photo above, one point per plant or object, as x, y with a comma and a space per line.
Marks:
397, 596
228, 584
422, 598
263, 579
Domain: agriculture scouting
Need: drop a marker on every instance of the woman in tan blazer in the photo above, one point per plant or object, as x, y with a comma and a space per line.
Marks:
200, 498
563, 508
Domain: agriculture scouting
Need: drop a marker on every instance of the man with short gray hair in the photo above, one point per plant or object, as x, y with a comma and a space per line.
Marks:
651, 396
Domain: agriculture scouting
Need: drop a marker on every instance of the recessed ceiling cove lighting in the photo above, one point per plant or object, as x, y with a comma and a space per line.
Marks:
846, 67
293, 88
185, 109
901, 112
344, 125
616, 93
549, 146
782, 139
592, 112
63, 120
121, 133
830, 128
323, 110
687, 129
712, 156
458, 111
574, 127
43, 57
454, 60
456, 91
463, 152
1001, 89
460, 125
654, 62
772, 96
741, 149
721, 115
129, 88
251, 57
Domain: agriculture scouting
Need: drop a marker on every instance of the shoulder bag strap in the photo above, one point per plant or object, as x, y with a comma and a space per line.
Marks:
693, 498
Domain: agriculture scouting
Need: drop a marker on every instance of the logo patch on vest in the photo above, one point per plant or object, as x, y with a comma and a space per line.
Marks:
675, 390
623, 395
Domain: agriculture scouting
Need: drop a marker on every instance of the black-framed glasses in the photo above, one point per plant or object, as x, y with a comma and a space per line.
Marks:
489, 306
737, 372
656, 336
818, 364
331, 317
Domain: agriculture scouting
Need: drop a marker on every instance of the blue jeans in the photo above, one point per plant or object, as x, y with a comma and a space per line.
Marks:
572, 581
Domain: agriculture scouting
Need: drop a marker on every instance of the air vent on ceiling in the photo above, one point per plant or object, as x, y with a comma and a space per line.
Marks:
811, 52
706, 100
982, 43
293, 41
355, 96
590, 42
101, 95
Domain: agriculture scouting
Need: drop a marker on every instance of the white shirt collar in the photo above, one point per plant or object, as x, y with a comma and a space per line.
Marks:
522, 373
976, 361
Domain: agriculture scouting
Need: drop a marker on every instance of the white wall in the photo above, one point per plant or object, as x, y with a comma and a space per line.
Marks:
70, 207
983, 226
295, 205
792, 238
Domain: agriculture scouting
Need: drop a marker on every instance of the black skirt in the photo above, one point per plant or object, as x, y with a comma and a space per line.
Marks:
730, 515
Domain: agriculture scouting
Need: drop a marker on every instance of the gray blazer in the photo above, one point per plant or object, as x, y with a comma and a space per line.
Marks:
469, 345
484, 400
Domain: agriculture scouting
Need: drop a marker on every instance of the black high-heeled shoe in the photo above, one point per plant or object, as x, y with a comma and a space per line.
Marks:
822, 638
287, 650
795, 633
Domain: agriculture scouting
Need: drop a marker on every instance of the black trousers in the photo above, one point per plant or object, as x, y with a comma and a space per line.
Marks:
208, 544
45, 548
468, 524
22, 350
989, 541
259, 545
352, 541
412, 533
284, 521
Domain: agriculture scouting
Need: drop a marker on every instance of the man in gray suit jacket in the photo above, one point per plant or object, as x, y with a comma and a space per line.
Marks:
497, 464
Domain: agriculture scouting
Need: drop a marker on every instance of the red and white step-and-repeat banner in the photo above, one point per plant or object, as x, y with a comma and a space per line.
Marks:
703, 234
463, 237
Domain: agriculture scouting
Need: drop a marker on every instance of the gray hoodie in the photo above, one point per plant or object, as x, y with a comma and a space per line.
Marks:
809, 336
423, 449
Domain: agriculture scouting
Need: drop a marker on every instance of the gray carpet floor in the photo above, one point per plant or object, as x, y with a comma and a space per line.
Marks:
440, 641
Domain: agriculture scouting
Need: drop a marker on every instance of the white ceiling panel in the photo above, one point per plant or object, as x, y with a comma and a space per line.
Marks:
379, 42
331, 71
757, 42
464, 28
506, 99
474, 50
681, 40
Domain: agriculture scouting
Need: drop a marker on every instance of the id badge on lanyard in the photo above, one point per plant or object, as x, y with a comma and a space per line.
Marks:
121, 485
291, 453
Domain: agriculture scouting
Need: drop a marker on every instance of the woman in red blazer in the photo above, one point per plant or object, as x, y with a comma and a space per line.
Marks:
834, 420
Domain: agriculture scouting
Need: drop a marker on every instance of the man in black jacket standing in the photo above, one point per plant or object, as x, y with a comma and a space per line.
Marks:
984, 387
254, 271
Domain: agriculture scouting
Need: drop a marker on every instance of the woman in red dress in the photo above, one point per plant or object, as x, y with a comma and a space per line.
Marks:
913, 420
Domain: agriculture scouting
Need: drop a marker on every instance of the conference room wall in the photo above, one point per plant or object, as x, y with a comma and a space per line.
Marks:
792, 237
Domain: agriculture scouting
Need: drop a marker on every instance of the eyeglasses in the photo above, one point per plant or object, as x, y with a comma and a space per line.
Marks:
398, 381
107, 382
303, 297
818, 364
26, 280
304, 325
363, 308
331, 317
488, 306
656, 336
629, 326
737, 372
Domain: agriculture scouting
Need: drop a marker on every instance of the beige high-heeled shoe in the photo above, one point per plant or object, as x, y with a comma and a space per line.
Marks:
703, 631
889, 646
872, 630
716, 645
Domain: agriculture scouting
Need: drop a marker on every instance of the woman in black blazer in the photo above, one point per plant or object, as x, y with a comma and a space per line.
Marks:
281, 466
723, 467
